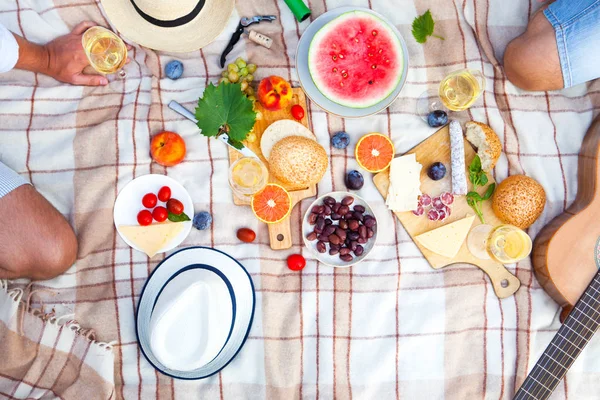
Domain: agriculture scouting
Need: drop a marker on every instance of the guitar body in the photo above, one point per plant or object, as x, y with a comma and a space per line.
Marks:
566, 254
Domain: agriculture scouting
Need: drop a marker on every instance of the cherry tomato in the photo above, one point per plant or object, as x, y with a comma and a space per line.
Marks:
246, 235
144, 217
297, 112
149, 200
296, 262
160, 214
175, 206
164, 194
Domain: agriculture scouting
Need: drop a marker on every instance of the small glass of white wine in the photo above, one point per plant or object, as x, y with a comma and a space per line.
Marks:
505, 244
457, 92
105, 50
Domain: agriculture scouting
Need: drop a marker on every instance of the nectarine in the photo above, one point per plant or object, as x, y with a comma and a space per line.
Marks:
167, 148
274, 93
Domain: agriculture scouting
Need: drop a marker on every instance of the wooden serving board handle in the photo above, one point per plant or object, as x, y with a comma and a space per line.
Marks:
504, 283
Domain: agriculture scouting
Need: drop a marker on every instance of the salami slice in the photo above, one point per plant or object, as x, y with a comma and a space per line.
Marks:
425, 200
437, 203
448, 211
419, 211
433, 215
442, 215
447, 198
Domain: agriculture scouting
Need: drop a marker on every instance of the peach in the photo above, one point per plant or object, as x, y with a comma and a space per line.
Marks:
167, 148
274, 93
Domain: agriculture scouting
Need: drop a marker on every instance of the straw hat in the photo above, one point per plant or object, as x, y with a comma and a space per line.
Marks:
169, 25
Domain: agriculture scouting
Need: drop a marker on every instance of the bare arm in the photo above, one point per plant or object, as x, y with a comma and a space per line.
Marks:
63, 58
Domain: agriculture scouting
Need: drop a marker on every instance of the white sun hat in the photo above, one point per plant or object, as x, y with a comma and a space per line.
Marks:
195, 313
169, 25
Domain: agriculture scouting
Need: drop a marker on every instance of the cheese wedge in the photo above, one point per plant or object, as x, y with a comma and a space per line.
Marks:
150, 239
448, 239
405, 183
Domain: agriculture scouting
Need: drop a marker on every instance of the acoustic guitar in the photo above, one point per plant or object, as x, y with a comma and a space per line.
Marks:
566, 260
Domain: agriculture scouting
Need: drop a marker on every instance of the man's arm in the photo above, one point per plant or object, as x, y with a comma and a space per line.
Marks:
63, 58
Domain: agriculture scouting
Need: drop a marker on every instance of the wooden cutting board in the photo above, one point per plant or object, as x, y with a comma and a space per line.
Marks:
280, 234
437, 148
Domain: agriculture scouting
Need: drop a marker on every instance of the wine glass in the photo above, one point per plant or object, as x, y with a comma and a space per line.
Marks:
505, 244
106, 52
457, 92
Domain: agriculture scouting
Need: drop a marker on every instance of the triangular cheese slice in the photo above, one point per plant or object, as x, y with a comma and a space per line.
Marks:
448, 239
150, 239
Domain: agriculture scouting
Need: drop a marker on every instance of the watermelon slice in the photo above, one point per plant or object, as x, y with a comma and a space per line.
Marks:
356, 60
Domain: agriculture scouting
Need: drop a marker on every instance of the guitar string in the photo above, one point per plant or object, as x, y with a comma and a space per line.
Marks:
570, 337
571, 317
573, 342
566, 340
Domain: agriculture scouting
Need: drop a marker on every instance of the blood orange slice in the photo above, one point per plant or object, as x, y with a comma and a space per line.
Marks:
374, 152
272, 204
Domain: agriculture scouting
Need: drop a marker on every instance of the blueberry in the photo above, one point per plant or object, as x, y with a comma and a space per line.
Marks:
436, 171
340, 140
202, 220
354, 180
174, 69
437, 118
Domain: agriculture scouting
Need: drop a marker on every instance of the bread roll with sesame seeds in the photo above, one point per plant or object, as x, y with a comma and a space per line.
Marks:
519, 200
487, 143
298, 161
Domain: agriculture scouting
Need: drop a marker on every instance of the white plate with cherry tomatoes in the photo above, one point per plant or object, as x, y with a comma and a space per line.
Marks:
136, 198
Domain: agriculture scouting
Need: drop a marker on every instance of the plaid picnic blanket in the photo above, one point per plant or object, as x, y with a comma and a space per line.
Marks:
391, 327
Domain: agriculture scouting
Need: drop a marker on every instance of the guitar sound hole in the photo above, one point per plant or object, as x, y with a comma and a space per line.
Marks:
280, 237
504, 283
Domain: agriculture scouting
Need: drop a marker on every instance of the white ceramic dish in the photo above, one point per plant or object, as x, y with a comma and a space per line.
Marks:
334, 260
129, 204
309, 86
219, 285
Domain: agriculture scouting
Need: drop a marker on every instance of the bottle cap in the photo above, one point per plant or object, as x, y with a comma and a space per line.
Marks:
299, 9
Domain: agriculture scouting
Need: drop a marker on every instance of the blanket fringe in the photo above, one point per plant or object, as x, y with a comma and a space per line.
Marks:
67, 320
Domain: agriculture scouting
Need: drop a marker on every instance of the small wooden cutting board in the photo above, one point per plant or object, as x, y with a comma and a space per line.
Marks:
280, 234
437, 148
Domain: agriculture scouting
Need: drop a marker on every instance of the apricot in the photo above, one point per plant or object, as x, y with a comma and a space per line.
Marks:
167, 148
274, 93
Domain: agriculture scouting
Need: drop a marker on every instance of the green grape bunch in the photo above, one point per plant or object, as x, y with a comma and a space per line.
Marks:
240, 71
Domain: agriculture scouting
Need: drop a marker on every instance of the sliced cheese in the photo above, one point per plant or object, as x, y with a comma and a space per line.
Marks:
448, 239
405, 184
152, 238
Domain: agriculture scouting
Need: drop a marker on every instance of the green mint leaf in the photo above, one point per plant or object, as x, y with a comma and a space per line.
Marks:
178, 218
475, 166
475, 196
225, 108
422, 27
483, 179
490, 190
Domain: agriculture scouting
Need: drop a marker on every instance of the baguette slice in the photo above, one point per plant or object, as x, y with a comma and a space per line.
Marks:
487, 143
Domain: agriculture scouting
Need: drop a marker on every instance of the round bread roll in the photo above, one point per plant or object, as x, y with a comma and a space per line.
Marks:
279, 130
519, 200
298, 161
487, 143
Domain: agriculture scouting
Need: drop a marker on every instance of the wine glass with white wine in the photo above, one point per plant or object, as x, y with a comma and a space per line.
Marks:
457, 92
505, 244
106, 52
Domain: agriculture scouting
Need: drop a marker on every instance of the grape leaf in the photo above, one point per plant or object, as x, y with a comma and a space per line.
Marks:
422, 27
225, 109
